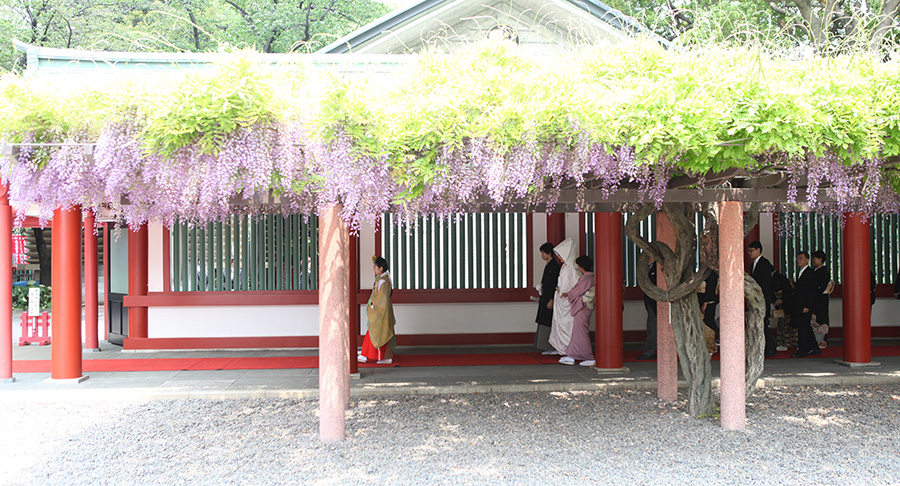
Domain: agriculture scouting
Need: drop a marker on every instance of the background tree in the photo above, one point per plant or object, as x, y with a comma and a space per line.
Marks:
827, 26
277, 26
179, 25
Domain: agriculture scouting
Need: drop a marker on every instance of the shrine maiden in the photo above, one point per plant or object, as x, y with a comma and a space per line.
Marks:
380, 340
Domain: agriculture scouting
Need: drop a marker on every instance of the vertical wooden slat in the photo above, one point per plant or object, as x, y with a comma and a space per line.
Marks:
517, 245
295, 251
404, 250
176, 252
503, 265
201, 258
192, 260
278, 225
453, 223
220, 256
271, 260
304, 254
226, 261
421, 235
471, 236
244, 270
314, 252
183, 255
210, 257
253, 256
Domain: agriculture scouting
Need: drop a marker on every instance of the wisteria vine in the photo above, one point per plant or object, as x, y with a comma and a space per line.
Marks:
453, 147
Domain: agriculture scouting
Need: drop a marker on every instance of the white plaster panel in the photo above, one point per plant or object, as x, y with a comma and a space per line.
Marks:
539, 237
366, 250
572, 230
473, 318
155, 243
767, 235
234, 321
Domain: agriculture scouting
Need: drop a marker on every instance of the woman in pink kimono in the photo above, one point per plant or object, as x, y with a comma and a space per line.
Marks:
581, 298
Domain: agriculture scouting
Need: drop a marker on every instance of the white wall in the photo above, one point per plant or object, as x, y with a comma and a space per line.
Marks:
234, 321
155, 267
766, 235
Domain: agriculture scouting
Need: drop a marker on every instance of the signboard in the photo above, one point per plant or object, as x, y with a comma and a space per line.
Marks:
34, 301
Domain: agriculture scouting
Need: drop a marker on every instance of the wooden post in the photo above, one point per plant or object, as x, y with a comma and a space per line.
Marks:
91, 339
556, 228
608, 277
857, 311
65, 349
138, 280
6, 253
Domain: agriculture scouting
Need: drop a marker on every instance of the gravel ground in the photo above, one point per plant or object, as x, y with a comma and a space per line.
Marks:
815, 435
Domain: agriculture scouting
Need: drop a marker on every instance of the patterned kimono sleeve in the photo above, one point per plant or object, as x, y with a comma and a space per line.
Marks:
378, 309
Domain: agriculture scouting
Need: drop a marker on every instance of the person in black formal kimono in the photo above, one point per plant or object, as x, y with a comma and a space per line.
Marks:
547, 289
823, 289
708, 298
761, 271
804, 301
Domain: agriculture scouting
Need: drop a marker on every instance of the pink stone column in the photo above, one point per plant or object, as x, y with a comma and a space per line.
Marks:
666, 351
334, 324
731, 314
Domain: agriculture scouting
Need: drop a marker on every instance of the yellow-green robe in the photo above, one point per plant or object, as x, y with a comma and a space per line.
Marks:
380, 312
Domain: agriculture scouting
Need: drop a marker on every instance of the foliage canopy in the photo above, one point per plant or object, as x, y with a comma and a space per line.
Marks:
449, 132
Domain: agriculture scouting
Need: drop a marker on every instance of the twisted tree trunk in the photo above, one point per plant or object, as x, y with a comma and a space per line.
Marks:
687, 322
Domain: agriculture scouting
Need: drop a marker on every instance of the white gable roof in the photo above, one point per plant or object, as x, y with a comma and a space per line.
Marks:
542, 26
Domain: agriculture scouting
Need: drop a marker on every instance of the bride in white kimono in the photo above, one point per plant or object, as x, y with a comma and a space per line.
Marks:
561, 331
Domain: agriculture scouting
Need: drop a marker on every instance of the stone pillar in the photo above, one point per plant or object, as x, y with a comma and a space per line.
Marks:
138, 280
608, 275
65, 315
731, 314
354, 267
666, 351
91, 340
556, 228
6, 255
334, 324
857, 311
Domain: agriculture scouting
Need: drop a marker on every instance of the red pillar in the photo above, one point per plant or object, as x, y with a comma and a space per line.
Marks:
137, 280
354, 265
731, 314
65, 350
666, 351
608, 275
334, 324
857, 312
91, 340
5, 284
556, 228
